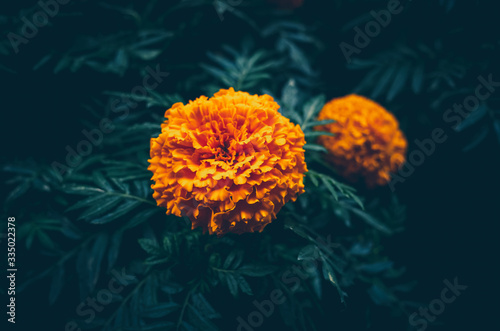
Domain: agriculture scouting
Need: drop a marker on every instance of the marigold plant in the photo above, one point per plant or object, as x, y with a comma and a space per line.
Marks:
366, 141
229, 162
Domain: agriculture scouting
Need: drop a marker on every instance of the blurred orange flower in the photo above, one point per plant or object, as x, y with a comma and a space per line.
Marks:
367, 141
229, 162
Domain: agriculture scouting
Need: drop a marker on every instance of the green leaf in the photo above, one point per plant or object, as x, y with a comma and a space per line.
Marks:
147, 54
472, 118
121, 210
477, 138
308, 253
380, 295
160, 310
399, 82
88, 263
150, 246
243, 284
384, 81
370, 220
256, 270
114, 248
45, 240
290, 95
104, 205
315, 134
312, 108
101, 181
141, 217
418, 79
329, 275
57, 284
232, 284
80, 189
315, 148
17, 192
317, 123
202, 305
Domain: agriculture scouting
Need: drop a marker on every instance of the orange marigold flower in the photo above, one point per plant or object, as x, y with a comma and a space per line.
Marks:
229, 162
367, 141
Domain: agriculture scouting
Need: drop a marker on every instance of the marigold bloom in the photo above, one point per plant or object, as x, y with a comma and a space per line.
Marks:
367, 141
229, 162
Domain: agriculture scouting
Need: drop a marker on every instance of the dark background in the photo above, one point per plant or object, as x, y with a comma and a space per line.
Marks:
452, 199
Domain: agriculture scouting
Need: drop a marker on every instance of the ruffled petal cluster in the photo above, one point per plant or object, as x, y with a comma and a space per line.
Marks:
367, 142
229, 162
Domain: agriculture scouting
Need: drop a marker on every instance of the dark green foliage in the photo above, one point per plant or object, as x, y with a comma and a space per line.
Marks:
99, 216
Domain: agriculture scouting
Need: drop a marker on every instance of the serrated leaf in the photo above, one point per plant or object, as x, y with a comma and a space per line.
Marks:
160, 310
45, 240
317, 123
100, 181
314, 148
327, 182
171, 288
315, 134
141, 217
371, 220
243, 284
103, 205
477, 138
329, 275
146, 54
88, 263
233, 260
380, 295
56, 284
418, 79
232, 284
121, 210
308, 253
255, 270
472, 118
201, 303
149, 245
17, 192
399, 82
290, 95
80, 189
114, 248
312, 108
384, 80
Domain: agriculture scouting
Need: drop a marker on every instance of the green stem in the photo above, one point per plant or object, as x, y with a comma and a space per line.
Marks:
124, 301
186, 301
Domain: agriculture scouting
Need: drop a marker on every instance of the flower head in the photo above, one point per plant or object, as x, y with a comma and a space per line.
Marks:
367, 141
229, 162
